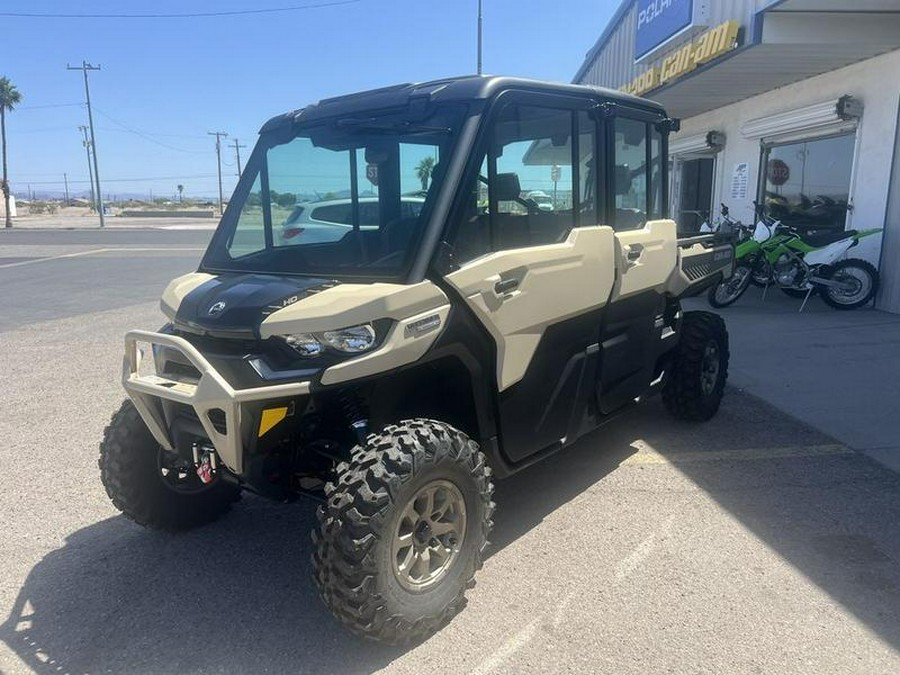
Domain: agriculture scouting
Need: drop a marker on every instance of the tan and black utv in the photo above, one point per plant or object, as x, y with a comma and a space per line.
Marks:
388, 318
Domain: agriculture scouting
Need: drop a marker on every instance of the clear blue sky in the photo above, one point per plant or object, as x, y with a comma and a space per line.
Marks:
173, 80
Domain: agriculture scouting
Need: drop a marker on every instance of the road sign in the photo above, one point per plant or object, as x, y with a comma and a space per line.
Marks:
555, 173
372, 173
778, 172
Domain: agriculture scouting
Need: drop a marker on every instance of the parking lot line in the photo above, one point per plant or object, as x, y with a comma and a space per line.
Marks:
648, 455
94, 251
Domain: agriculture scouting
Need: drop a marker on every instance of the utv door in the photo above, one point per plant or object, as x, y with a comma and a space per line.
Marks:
537, 276
645, 255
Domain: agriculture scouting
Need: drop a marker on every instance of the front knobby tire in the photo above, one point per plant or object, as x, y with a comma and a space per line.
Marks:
860, 280
403, 531
730, 290
140, 479
699, 368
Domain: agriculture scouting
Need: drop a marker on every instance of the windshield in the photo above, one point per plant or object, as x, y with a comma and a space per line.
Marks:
347, 197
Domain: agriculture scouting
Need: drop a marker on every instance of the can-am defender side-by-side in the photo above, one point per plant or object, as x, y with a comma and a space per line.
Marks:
395, 369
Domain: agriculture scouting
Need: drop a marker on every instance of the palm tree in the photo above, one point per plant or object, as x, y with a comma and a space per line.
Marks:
423, 171
9, 99
180, 189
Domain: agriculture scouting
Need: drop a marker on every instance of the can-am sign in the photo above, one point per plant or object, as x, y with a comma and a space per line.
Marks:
708, 46
659, 21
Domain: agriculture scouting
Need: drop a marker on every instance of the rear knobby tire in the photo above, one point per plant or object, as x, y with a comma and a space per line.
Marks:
862, 274
130, 471
357, 557
699, 368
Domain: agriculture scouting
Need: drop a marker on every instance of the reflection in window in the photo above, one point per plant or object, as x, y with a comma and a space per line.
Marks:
529, 182
656, 173
249, 236
630, 174
807, 184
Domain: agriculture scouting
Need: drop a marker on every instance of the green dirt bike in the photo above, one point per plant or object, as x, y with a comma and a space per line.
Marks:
799, 264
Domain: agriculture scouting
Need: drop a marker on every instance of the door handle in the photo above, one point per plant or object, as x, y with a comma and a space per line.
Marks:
505, 286
633, 252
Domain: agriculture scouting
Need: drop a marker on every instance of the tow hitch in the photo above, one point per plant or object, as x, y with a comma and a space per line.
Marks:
205, 462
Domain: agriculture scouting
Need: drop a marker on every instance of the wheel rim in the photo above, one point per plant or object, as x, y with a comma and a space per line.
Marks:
178, 474
733, 287
709, 368
429, 535
858, 285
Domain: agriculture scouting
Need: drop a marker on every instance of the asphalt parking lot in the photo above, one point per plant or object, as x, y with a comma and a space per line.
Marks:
753, 543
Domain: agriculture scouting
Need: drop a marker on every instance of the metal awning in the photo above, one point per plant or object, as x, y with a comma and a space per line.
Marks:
793, 40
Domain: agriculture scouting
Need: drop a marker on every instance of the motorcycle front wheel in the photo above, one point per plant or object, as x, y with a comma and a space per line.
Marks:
728, 291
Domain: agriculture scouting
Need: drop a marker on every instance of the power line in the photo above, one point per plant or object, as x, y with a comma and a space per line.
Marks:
52, 105
145, 135
125, 180
194, 15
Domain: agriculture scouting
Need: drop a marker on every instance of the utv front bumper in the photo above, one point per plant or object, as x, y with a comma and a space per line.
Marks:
210, 396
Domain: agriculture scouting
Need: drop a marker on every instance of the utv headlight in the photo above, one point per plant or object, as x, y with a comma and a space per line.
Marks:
305, 344
351, 340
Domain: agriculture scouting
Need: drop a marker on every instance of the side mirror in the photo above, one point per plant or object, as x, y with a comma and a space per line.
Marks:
506, 187
623, 179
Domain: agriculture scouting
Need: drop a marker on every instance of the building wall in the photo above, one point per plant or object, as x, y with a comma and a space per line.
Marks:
874, 82
613, 64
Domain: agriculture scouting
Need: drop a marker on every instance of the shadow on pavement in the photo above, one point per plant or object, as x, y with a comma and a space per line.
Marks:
237, 596
835, 518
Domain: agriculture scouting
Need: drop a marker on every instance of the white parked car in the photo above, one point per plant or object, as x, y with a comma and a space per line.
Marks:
542, 199
328, 221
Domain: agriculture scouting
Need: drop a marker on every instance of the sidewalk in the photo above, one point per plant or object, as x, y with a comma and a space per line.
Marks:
81, 219
837, 371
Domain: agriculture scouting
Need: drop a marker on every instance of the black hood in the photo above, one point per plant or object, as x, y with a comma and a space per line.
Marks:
236, 305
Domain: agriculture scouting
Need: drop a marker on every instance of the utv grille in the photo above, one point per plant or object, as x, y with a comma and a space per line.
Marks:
695, 272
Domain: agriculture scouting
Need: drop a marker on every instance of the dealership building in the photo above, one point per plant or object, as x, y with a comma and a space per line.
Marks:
790, 103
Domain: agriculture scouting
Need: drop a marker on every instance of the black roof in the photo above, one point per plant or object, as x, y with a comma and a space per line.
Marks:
464, 88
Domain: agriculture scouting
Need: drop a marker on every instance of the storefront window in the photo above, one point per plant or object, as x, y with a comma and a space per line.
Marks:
807, 184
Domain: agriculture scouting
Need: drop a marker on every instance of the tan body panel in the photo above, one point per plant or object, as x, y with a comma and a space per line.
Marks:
177, 289
348, 305
658, 248
556, 282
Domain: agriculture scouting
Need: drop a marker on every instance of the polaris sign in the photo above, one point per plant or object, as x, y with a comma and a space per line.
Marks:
658, 21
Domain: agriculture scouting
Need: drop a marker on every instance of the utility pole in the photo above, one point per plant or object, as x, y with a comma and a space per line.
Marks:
479, 36
237, 151
66, 181
84, 68
87, 146
219, 136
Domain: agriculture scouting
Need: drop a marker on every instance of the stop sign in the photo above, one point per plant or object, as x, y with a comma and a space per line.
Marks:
778, 172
